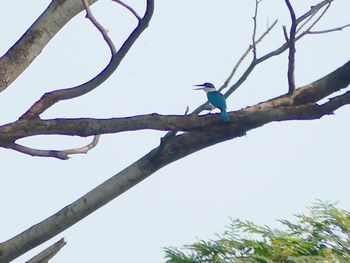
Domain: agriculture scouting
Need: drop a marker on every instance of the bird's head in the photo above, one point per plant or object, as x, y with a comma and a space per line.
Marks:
207, 87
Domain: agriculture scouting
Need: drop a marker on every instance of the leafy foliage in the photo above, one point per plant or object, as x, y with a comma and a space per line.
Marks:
322, 236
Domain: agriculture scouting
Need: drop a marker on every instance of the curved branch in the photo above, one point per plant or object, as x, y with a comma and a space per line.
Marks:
50, 98
99, 27
29, 46
62, 154
129, 8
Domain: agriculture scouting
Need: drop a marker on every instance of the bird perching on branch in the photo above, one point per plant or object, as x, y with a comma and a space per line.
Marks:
215, 98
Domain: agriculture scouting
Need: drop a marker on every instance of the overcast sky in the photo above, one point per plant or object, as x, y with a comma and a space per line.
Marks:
274, 172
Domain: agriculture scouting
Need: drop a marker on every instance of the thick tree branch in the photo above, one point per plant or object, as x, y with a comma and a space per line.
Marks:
297, 106
310, 93
29, 46
50, 98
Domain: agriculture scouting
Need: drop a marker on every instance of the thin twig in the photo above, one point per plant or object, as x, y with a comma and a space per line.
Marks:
307, 31
306, 21
86, 148
129, 8
99, 27
255, 28
291, 43
245, 54
313, 9
329, 30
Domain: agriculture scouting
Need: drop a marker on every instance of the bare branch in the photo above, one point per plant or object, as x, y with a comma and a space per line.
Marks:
329, 30
314, 9
291, 44
129, 8
284, 47
31, 44
267, 56
255, 28
99, 27
311, 93
62, 154
307, 31
308, 19
285, 33
86, 148
39, 153
244, 55
50, 98
49, 253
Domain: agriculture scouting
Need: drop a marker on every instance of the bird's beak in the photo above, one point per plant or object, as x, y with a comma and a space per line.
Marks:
199, 85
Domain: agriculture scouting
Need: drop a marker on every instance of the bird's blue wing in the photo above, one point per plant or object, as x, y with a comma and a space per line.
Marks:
217, 100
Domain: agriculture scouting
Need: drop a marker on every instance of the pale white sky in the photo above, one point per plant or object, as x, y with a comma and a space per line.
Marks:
273, 172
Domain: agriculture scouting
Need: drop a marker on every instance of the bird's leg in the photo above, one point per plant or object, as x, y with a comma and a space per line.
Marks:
209, 108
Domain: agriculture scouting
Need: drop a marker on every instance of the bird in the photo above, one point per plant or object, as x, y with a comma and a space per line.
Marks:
215, 98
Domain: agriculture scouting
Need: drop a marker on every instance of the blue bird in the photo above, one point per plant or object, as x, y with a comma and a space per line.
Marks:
215, 98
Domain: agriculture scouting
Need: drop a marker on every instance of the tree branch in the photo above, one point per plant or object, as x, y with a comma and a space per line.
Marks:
30, 45
245, 54
291, 44
49, 253
311, 93
50, 98
314, 9
99, 27
62, 154
271, 54
129, 8
329, 30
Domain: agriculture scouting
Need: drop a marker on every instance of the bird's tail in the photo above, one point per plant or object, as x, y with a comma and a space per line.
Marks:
225, 116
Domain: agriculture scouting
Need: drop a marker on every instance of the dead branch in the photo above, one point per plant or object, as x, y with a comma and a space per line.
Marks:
255, 26
29, 46
51, 98
245, 54
99, 27
61, 154
329, 30
307, 31
129, 8
309, 94
49, 253
313, 10
291, 45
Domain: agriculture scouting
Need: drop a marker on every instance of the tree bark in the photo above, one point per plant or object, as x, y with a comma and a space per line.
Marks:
30, 45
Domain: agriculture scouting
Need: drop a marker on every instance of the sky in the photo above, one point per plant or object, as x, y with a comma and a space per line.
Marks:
273, 172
